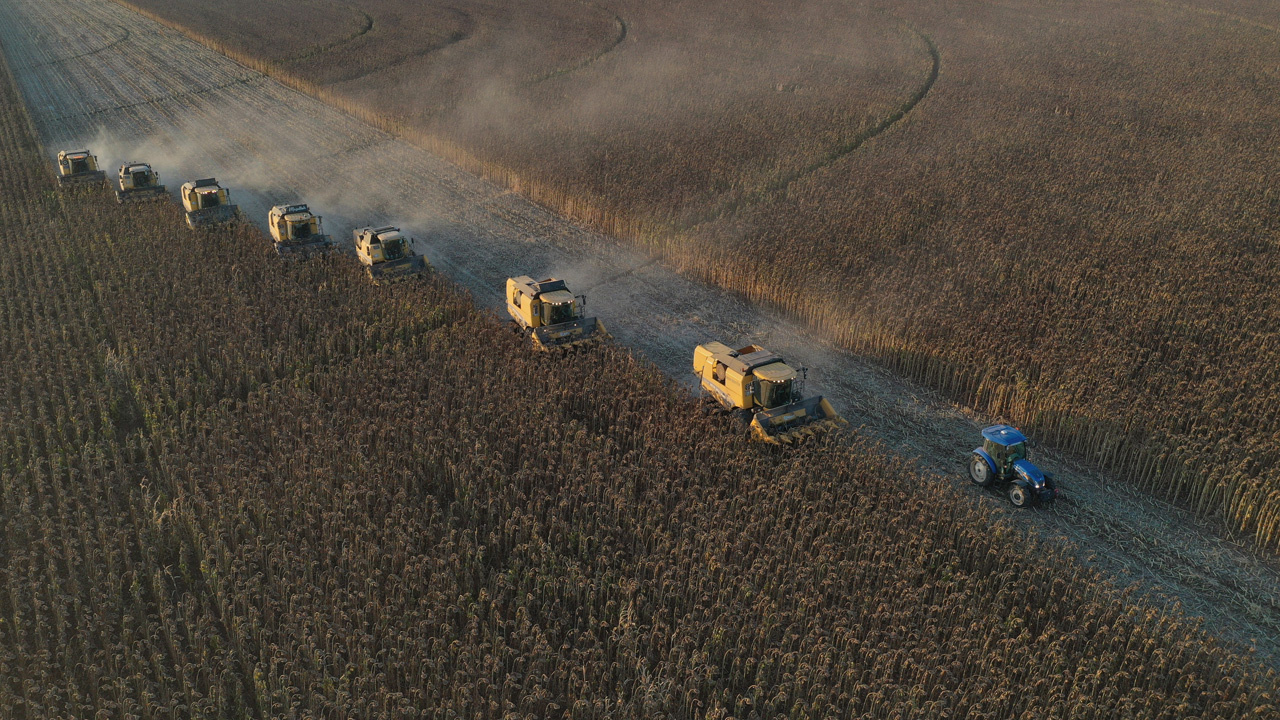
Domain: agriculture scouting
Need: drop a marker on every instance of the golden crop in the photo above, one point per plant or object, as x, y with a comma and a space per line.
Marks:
236, 486
1072, 229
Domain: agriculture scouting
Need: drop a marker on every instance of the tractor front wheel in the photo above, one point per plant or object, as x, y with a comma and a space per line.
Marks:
980, 473
1019, 496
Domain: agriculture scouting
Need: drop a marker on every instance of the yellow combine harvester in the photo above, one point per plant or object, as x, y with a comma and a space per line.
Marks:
139, 182
554, 315
758, 385
295, 230
386, 254
78, 167
206, 203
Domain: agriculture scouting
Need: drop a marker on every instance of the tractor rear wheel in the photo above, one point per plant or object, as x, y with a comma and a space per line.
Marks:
979, 471
1019, 496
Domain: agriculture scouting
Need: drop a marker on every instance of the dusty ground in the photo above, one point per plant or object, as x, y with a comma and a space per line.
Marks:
97, 75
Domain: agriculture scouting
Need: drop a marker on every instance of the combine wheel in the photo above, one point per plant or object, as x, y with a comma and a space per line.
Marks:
1019, 496
979, 471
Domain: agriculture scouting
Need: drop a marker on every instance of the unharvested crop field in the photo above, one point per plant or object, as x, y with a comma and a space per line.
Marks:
1073, 228
237, 487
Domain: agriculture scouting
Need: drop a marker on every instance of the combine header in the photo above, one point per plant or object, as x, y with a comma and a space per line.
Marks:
78, 167
295, 230
386, 254
139, 182
207, 203
555, 316
759, 386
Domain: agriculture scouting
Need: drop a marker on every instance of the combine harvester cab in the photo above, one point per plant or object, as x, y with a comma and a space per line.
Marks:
296, 231
79, 167
207, 203
139, 182
387, 254
1003, 459
555, 317
757, 384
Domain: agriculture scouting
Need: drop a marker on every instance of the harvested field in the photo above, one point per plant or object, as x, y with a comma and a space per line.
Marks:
272, 489
1074, 230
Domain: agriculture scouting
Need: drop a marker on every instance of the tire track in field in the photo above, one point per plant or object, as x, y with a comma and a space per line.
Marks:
123, 38
620, 38
176, 96
365, 28
781, 184
467, 25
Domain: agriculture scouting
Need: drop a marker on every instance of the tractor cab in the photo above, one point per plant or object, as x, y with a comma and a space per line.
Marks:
1003, 459
137, 176
540, 303
299, 226
203, 198
393, 246
78, 162
776, 385
559, 306
385, 245
78, 167
1005, 445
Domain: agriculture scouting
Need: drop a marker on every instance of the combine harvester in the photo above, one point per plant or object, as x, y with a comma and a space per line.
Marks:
78, 167
139, 182
554, 316
756, 384
207, 203
386, 254
1003, 459
296, 231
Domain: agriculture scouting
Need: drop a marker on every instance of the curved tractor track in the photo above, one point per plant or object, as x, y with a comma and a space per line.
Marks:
194, 113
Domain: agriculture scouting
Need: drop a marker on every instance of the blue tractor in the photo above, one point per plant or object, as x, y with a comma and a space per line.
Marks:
1003, 459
